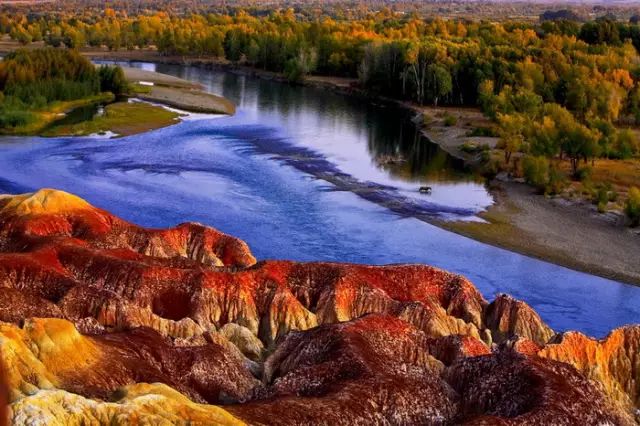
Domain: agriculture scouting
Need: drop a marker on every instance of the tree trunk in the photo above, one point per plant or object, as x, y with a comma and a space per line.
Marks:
404, 83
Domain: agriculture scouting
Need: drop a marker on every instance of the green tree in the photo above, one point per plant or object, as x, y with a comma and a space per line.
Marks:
510, 131
253, 53
439, 82
301, 65
536, 171
112, 80
626, 144
578, 142
632, 206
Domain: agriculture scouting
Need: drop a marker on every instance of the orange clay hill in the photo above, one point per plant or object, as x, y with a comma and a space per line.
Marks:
105, 322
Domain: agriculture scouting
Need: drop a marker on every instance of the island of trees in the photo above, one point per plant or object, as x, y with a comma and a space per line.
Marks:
562, 94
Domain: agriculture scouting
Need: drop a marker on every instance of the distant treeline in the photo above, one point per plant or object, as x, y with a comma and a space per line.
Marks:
582, 78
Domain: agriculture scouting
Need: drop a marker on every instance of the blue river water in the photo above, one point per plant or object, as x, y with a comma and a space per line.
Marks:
293, 173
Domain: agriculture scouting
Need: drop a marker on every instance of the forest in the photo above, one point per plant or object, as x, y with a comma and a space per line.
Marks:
556, 89
33, 80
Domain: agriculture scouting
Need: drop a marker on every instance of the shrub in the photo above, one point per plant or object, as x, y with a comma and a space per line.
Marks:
450, 120
536, 171
626, 144
482, 132
472, 148
584, 173
485, 155
557, 181
112, 80
293, 72
490, 168
632, 206
602, 198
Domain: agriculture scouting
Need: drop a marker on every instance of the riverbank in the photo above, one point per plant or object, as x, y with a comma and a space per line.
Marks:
464, 133
567, 233
41, 119
120, 119
176, 92
90, 112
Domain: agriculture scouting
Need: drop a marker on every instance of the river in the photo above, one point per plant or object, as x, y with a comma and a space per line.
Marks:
305, 174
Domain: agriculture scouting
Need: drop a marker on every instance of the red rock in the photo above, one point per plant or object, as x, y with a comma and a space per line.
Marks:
373, 370
453, 348
613, 361
50, 213
328, 342
513, 389
507, 317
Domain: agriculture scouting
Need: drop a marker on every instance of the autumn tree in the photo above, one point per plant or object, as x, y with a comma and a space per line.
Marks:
510, 131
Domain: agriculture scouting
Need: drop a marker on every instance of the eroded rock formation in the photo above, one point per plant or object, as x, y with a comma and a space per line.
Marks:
507, 317
613, 361
107, 322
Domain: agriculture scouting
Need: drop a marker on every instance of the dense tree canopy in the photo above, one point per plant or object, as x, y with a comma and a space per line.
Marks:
33, 79
39, 76
572, 81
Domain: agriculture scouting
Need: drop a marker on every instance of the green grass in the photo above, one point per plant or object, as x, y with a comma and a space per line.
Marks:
137, 88
122, 118
40, 119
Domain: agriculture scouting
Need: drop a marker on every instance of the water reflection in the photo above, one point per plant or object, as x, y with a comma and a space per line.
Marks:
404, 152
78, 115
371, 143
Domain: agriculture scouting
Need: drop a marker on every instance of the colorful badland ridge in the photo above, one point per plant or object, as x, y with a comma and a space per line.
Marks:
105, 322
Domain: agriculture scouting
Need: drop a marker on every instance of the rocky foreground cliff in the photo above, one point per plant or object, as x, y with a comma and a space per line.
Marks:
105, 322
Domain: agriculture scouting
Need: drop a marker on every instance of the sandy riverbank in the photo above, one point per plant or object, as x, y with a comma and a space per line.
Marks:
570, 233
177, 93
567, 233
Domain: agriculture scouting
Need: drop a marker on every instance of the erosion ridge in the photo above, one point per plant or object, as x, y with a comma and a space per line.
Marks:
103, 321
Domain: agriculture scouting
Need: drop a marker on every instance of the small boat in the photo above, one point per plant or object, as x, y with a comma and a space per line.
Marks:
425, 190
